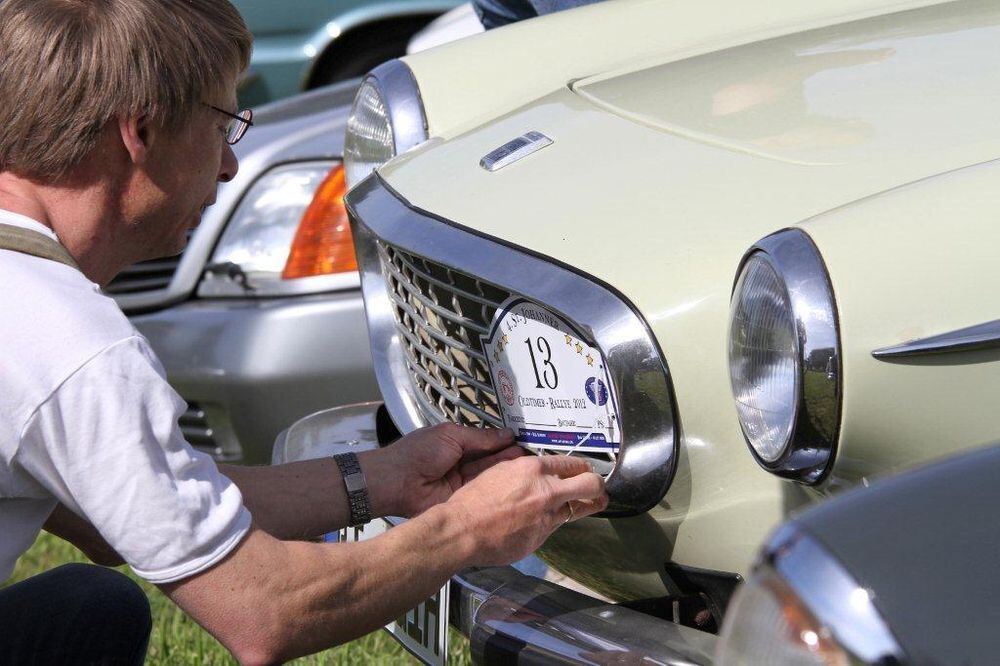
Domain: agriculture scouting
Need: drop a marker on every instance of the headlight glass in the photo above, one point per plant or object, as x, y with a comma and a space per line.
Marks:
764, 358
767, 624
386, 120
368, 143
289, 234
802, 605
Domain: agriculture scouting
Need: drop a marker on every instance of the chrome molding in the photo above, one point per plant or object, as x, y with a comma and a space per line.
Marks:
833, 595
401, 95
812, 443
648, 456
973, 338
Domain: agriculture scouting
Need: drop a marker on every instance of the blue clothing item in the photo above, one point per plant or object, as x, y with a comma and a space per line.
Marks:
74, 614
495, 13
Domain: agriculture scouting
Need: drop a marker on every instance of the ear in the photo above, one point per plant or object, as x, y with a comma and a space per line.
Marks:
137, 137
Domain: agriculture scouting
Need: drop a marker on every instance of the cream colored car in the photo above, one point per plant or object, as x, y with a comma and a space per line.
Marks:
773, 224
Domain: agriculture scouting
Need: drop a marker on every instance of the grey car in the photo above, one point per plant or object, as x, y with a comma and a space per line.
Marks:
250, 350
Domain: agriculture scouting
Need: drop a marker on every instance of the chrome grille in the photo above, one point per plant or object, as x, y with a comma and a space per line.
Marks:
144, 276
440, 315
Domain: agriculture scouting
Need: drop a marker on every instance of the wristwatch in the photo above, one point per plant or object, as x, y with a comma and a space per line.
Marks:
357, 488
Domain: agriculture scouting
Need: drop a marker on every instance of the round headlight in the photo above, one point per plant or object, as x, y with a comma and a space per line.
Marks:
784, 356
763, 358
802, 606
387, 119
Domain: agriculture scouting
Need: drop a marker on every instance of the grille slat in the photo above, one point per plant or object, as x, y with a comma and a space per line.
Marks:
458, 372
440, 314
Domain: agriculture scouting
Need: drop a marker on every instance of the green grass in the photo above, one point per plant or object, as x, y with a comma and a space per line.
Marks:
177, 639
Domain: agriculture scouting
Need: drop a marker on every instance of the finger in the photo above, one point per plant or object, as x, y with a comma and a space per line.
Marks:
478, 442
584, 508
564, 466
582, 486
471, 470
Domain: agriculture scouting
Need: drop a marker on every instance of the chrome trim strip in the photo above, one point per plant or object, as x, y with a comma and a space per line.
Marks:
833, 595
972, 338
812, 443
401, 95
510, 617
648, 456
514, 150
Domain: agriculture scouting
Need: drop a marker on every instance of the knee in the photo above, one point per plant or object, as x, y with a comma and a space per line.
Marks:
110, 598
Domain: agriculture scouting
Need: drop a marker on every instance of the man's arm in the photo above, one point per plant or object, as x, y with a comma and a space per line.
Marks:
302, 500
67, 525
270, 600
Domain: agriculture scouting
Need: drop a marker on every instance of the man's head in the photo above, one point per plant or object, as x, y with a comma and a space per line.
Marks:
108, 120
71, 67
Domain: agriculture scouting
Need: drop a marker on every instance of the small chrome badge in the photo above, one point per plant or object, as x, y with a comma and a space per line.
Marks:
512, 151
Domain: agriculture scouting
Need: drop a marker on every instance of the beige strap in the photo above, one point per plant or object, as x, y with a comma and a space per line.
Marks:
34, 243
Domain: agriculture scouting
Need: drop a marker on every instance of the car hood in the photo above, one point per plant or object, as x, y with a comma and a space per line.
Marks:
641, 190
856, 92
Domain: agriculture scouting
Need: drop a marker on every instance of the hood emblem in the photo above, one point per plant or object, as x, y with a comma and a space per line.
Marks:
512, 151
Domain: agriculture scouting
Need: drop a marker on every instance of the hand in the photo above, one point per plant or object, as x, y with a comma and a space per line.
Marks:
425, 467
511, 508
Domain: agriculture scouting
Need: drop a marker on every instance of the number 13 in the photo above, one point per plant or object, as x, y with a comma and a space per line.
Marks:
543, 347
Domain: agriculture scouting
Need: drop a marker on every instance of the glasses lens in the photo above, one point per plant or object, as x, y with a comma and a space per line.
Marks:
237, 128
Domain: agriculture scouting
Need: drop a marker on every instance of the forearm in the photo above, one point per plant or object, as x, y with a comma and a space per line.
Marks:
297, 597
302, 500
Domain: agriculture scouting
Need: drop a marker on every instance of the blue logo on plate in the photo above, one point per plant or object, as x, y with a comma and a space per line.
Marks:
596, 390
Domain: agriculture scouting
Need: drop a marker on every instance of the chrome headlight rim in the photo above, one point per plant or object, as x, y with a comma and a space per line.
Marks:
399, 93
827, 589
811, 446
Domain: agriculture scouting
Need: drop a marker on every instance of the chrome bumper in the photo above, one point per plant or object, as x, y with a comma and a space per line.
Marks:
508, 616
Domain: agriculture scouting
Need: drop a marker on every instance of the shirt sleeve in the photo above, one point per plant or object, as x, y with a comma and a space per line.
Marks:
108, 446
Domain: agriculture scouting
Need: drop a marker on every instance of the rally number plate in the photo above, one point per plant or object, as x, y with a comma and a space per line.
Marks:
423, 631
553, 386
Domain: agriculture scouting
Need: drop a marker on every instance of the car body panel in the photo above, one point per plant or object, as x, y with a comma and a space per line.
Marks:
839, 95
665, 217
525, 61
255, 366
917, 261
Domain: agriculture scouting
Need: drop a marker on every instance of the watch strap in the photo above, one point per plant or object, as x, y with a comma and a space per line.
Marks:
357, 488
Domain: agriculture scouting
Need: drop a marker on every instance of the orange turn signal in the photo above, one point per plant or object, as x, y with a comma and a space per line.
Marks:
323, 242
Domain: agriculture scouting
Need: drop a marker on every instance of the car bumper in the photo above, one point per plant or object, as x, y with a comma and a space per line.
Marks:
511, 617
249, 368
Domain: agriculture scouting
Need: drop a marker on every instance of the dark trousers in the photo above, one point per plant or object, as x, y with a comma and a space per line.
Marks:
74, 614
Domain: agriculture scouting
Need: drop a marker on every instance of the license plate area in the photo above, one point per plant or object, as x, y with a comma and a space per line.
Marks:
422, 631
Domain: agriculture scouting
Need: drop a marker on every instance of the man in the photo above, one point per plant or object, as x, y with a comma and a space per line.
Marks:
116, 118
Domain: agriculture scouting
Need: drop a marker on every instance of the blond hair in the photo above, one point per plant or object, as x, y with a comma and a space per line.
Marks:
69, 67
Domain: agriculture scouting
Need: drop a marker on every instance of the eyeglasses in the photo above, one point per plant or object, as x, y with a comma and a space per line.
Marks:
238, 125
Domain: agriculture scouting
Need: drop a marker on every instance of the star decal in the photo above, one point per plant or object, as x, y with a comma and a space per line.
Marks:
569, 340
579, 348
505, 339
590, 360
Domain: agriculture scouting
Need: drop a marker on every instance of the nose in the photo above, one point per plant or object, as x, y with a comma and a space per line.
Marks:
229, 164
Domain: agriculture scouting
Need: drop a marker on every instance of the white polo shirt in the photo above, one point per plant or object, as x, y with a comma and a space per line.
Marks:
88, 419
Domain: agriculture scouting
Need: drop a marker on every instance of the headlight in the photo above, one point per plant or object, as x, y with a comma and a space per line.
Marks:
289, 234
784, 356
801, 606
387, 119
